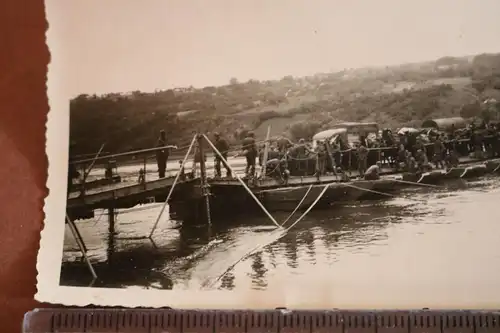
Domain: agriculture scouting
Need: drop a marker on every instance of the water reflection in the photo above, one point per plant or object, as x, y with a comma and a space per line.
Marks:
346, 239
259, 270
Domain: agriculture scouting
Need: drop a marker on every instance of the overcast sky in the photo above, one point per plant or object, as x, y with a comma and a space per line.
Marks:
104, 46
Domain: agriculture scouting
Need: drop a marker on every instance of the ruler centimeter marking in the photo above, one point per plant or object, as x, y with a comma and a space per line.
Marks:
275, 321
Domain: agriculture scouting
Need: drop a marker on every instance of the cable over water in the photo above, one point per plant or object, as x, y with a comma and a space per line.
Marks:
242, 182
378, 192
298, 206
259, 247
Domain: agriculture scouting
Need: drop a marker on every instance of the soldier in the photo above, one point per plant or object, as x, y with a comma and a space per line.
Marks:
452, 159
197, 158
162, 155
373, 172
419, 145
344, 177
300, 152
451, 132
422, 161
362, 140
250, 151
321, 156
182, 172
72, 171
439, 150
284, 144
362, 159
402, 156
72, 174
223, 147
412, 164
275, 168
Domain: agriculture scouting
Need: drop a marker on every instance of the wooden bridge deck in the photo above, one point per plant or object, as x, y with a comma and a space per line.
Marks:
143, 190
161, 186
151, 188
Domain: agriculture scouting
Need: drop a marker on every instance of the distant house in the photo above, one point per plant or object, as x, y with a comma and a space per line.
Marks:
446, 67
182, 114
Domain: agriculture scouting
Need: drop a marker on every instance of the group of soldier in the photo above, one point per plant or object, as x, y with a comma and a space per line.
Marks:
411, 155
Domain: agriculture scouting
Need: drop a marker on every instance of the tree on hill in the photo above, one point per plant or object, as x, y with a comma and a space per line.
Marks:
486, 64
132, 120
450, 61
303, 130
470, 110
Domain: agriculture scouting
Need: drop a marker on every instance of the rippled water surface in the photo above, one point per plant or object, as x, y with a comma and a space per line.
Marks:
424, 244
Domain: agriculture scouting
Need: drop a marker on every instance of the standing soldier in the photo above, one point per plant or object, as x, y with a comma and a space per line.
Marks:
197, 157
363, 140
321, 156
72, 174
451, 132
402, 158
300, 152
72, 171
223, 147
362, 159
422, 161
162, 155
283, 145
250, 151
439, 150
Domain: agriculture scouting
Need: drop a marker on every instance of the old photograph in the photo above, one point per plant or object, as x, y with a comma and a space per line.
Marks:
263, 154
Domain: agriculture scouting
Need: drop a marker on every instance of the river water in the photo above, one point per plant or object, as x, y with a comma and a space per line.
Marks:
422, 244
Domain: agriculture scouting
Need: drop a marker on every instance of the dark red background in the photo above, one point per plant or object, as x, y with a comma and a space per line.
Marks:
23, 163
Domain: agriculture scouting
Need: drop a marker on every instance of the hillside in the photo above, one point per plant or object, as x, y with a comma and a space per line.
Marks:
296, 107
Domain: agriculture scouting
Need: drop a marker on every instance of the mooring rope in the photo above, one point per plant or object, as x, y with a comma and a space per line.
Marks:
380, 193
242, 182
365, 189
296, 208
309, 209
87, 172
81, 245
173, 186
260, 246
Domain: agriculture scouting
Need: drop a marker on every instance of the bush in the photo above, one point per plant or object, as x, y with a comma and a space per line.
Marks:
241, 133
303, 130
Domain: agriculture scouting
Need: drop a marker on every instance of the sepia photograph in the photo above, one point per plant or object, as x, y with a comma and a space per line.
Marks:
262, 154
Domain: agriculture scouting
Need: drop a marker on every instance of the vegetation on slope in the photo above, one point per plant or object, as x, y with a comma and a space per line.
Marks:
296, 107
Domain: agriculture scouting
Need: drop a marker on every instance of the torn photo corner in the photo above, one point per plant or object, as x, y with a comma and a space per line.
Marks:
213, 156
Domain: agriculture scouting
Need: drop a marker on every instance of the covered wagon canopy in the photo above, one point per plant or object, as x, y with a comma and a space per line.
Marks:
444, 124
404, 130
370, 127
328, 134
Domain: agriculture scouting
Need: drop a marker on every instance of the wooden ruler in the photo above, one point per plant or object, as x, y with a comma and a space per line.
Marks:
276, 321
